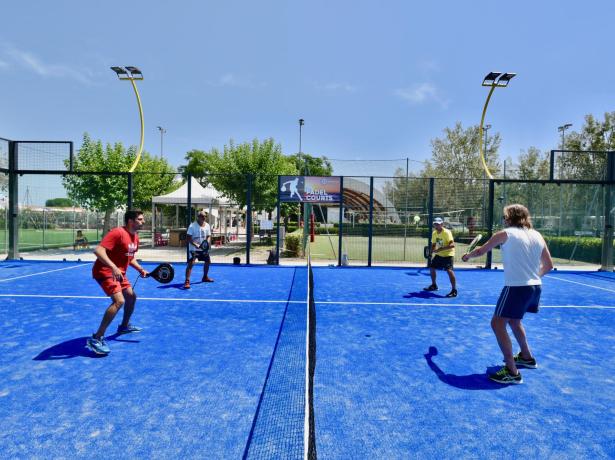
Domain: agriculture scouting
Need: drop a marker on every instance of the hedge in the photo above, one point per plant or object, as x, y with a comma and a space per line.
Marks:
587, 249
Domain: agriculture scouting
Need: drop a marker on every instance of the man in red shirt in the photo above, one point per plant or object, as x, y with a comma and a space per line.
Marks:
114, 254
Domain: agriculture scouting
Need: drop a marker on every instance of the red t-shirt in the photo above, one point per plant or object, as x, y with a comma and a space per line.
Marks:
121, 247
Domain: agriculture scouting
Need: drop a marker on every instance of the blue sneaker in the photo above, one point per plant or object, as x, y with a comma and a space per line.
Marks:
98, 346
127, 329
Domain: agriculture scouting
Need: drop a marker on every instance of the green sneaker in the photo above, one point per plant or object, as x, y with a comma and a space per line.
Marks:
522, 362
505, 377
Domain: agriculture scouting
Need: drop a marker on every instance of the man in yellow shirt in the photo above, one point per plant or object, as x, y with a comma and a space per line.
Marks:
443, 246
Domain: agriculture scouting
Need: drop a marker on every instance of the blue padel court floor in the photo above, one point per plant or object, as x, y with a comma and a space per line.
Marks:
219, 371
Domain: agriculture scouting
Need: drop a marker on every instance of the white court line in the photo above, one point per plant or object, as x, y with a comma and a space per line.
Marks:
413, 304
48, 271
582, 284
155, 299
402, 304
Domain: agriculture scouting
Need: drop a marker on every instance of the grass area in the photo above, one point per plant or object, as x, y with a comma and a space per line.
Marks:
33, 239
397, 249
384, 249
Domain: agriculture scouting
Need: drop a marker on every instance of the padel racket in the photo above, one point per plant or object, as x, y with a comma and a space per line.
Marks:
163, 273
474, 243
204, 246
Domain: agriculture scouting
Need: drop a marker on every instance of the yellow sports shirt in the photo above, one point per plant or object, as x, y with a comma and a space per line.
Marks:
442, 239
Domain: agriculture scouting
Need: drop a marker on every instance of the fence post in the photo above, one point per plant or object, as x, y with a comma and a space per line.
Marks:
188, 215
13, 218
249, 219
340, 223
606, 262
277, 238
430, 214
370, 231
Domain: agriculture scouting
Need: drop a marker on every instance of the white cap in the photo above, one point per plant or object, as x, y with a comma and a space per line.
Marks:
438, 220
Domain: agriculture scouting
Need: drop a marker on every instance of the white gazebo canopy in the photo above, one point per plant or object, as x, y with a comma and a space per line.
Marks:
204, 197
199, 195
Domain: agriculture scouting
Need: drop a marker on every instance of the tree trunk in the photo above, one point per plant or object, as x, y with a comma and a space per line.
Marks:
107, 221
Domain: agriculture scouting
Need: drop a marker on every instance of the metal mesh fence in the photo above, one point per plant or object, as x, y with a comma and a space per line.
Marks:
4, 234
571, 217
355, 219
226, 215
382, 220
52, 226
580, 165
4, 153
43, 156
400, 222
264, 226
463, 205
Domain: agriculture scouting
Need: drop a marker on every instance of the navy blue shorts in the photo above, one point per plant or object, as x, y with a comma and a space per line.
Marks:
514, 301
200, 255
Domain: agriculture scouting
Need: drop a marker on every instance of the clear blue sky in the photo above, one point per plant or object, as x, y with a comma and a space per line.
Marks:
372, 79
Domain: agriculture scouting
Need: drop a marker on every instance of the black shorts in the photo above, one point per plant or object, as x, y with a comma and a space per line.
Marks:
514, 301
200, 255
442, 263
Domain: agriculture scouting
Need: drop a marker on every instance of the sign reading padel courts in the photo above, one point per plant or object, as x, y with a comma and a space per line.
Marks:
313, 189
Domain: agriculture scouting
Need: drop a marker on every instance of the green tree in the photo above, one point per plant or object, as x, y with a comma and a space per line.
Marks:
533, 165
59, 203
229, 171
106, 193
313, 166
408, 196
456, 154
461, 188
594, 135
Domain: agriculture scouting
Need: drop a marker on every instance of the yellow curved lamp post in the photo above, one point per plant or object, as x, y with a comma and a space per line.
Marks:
493, 80
131, 74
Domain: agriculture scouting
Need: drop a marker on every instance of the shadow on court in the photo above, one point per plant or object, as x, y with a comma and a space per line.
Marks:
74, 348
180, 286
423, 295
172, 286
419, 272
465, 382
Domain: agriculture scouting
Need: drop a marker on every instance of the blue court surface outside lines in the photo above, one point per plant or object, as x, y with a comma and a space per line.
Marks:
187, 386
401, 373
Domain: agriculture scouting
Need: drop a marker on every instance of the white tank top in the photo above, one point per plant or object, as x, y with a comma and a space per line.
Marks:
521, 256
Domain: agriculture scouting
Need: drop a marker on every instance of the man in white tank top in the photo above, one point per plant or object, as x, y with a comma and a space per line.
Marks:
526, 259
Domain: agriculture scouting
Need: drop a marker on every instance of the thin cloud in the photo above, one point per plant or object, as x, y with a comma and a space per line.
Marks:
429, 65
235, 81
334, 86
32, 63
421, 94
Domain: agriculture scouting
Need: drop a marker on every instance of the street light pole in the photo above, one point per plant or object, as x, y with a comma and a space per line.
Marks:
485, 129
162, 132
133, 74
562, 129
493, 80
301, 123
